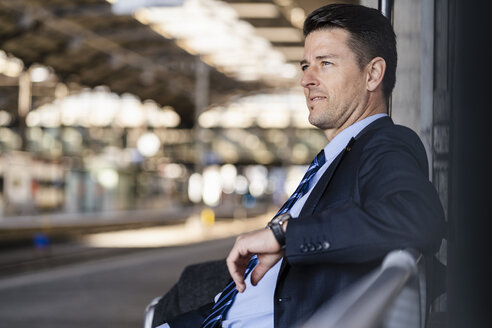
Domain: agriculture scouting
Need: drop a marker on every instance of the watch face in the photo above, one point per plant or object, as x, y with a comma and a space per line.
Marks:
281, 218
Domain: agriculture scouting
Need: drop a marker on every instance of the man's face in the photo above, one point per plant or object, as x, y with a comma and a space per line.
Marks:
334, 84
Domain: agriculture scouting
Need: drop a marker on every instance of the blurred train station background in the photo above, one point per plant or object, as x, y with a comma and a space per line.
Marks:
137, 134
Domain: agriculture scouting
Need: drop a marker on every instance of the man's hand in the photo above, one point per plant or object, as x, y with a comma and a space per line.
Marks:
261, 242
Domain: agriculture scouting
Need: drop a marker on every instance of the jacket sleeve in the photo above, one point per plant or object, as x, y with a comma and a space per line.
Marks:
393, 206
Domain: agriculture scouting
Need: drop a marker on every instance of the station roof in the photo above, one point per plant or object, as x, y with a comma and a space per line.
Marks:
87, 45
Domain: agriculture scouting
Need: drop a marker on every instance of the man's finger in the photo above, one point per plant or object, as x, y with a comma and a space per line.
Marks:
266, 262
258, 273
236, 275
236, 264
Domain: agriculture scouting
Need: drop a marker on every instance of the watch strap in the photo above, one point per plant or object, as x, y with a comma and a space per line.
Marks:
278, 232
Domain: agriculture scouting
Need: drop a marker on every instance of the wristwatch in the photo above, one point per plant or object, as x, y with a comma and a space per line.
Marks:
276, 225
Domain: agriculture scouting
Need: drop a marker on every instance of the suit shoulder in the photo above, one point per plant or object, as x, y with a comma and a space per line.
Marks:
394, 138
393, 135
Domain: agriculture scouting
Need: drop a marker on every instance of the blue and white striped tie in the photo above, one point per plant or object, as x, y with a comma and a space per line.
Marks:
226, 298
305, 184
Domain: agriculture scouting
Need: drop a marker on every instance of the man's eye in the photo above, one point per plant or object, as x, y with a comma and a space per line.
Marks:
325, 63
304, 67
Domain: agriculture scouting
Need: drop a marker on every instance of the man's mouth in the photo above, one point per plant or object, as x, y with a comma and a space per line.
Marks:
316, 98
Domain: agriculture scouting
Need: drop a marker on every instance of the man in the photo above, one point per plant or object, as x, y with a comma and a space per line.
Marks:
366, 195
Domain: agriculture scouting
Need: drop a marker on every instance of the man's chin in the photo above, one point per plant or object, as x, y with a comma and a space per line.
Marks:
318, 123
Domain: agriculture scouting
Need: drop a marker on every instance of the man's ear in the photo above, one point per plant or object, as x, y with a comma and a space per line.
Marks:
375, 73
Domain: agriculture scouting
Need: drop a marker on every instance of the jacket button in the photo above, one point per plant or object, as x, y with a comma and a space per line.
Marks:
319, 246
326, 245
311, 247
303, 248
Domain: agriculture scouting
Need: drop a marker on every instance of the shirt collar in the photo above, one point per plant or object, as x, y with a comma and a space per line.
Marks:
335, 146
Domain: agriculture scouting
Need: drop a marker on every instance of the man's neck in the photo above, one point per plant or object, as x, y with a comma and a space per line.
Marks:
378, 108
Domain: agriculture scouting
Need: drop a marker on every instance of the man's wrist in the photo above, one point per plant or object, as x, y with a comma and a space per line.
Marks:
277, 226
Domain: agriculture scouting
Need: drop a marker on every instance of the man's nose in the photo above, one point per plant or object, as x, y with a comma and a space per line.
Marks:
309, 79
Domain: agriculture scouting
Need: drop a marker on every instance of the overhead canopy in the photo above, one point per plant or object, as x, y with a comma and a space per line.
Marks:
87, 44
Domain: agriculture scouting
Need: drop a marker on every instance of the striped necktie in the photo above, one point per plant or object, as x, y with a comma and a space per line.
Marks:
229, 293
305, 184
226, 299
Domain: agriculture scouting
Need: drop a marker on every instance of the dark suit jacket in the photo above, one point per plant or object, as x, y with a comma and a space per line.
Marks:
375, 197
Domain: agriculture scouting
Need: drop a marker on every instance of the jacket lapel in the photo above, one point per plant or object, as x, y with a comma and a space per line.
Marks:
322, 184
315, 196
